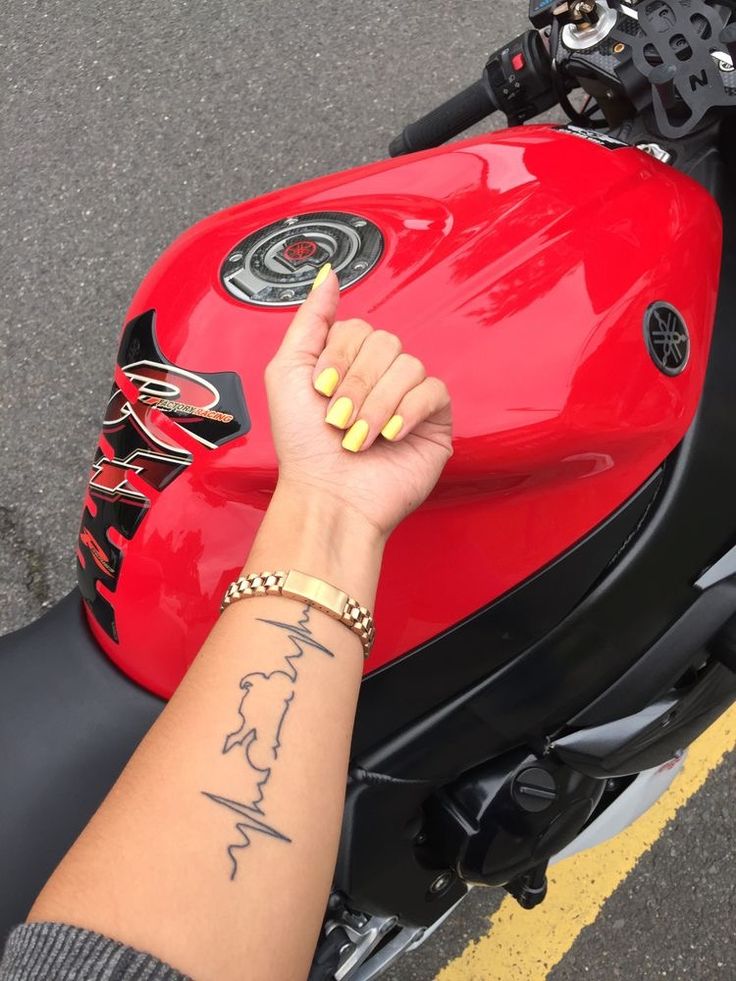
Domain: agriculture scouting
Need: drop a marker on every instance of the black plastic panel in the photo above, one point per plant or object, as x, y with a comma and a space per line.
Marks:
400, 693
651, 737
666, 660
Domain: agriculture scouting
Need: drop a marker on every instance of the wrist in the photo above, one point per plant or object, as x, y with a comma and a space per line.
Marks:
346, 525
306, 529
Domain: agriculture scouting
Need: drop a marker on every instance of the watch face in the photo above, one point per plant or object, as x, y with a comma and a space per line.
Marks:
276, 265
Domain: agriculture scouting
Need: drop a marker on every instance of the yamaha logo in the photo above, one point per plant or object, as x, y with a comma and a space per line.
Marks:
275, 266
667, 337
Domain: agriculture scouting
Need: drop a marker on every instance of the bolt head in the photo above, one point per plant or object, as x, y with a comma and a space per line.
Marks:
441, 882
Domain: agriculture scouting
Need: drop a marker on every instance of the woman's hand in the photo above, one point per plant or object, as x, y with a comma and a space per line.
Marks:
353, 416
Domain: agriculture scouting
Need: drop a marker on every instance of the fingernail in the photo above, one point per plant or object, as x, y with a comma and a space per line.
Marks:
392, 428
355, 436
321, 276
326, 382
339, 414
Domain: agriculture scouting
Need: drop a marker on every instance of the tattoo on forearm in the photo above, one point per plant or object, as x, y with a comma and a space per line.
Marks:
263, 708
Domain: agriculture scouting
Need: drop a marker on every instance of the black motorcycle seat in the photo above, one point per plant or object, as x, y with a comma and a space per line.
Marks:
69, 721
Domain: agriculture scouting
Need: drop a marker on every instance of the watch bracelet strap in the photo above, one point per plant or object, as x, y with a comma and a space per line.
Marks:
352, 614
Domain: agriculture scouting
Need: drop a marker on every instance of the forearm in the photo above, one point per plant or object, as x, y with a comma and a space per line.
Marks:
202, 824
216, 847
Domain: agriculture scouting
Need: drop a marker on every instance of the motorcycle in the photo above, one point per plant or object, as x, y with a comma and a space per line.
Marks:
575, 629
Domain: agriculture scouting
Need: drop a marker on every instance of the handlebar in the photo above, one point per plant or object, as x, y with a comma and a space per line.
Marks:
667, 67
517, 80
451, 118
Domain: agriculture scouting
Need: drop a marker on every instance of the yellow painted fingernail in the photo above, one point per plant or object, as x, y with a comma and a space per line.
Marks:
321, 276
392, 428
339, 414
355, 436
326, 382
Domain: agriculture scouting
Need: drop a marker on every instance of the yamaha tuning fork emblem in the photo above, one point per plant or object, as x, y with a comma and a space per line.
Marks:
667, 337
276, 265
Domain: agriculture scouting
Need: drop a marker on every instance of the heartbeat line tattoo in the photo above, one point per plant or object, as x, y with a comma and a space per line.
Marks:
263, 709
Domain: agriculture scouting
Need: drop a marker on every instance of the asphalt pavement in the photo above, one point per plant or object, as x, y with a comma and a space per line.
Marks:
123, 124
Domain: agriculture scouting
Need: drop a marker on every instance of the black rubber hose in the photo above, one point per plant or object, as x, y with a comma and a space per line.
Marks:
454, 116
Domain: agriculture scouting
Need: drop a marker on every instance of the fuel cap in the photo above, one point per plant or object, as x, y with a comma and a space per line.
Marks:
276, 265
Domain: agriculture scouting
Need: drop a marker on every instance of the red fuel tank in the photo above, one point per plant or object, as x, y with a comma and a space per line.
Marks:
564, 289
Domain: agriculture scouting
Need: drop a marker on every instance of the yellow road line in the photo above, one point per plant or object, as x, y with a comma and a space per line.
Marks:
525, 945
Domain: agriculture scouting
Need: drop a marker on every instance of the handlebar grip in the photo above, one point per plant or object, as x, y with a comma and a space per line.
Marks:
454, 116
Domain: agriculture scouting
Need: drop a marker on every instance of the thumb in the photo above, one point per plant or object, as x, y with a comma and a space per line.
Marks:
307, 333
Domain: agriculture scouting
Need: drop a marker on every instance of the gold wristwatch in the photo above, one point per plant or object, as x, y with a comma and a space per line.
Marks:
310, 590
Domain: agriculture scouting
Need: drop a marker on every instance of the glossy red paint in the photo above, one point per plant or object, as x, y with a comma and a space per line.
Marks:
518, 266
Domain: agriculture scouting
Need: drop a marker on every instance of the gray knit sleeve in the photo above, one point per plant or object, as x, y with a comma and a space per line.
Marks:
41, 951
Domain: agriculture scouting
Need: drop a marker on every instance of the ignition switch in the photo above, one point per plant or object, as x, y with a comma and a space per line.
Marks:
542, 12
584, 13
